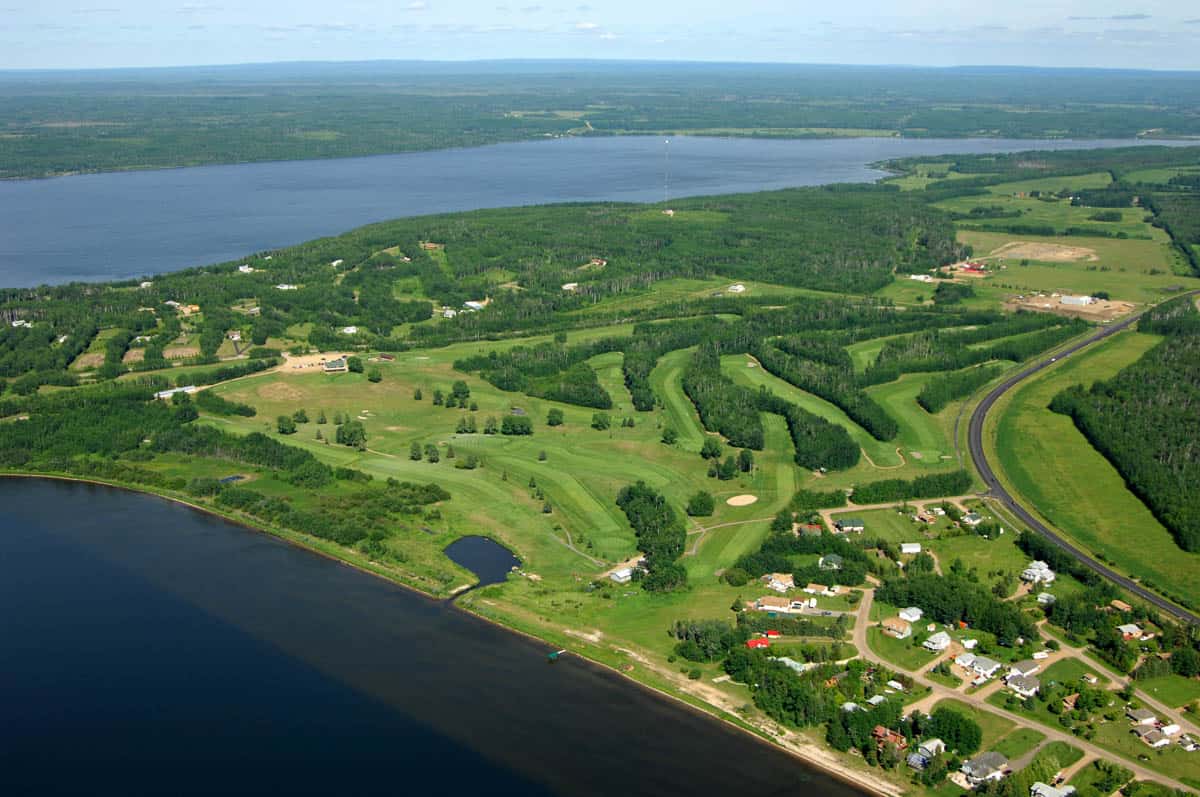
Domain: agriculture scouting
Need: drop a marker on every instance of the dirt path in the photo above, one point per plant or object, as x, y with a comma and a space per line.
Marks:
871, 462
957, 501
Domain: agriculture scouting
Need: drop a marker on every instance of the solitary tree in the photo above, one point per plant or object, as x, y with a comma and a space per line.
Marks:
285, 424
374, 375
355, 364
701, 504
431, 452
414, 451
321, 417
554, 417
300, 416
745, 460
418, 395
711, 449
669, 436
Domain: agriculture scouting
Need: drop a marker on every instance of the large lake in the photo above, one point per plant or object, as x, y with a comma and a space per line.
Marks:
146, 648
115, 226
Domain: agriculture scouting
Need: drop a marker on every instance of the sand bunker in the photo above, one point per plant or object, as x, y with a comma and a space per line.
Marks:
1054, 253
742, 500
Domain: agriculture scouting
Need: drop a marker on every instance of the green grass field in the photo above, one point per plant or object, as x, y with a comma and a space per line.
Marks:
1130, 270
902, 653
1018, 743
1086, 497
1174, 690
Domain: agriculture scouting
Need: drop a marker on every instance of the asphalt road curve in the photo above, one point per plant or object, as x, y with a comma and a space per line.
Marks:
997, 491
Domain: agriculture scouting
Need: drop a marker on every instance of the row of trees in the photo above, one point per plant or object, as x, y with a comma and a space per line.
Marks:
660, 536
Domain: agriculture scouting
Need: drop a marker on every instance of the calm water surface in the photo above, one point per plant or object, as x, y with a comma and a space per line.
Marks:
484, 557
115, 226
146, 648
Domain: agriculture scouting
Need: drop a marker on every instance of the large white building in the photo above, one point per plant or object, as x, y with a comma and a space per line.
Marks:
1038, 572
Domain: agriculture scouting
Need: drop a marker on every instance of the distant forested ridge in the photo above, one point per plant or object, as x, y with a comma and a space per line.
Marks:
1146, 420
83, 121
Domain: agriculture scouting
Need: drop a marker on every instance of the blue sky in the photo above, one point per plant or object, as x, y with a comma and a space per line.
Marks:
1096, 33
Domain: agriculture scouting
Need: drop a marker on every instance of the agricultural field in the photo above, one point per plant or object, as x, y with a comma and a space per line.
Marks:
1086, 499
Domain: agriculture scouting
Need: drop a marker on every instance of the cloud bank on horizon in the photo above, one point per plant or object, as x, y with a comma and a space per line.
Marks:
1163, 34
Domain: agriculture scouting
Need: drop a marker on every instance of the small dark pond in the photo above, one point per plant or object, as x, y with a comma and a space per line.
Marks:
484, 557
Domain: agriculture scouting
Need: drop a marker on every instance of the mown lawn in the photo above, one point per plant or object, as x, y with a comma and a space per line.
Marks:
1058, 473
1018, 743
1174, 690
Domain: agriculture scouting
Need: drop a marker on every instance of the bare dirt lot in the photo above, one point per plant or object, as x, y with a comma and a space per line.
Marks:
134, 356
1050, 253
305, 363
1099, 310
85, 361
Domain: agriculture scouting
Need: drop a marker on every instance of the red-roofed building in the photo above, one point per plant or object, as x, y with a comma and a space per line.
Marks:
758, 643
773, 634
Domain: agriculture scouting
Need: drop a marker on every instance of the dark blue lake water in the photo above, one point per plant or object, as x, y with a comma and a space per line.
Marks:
149, 649
115, 226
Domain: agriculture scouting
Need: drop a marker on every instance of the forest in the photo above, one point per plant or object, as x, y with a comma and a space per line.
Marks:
162, 118
1146, 420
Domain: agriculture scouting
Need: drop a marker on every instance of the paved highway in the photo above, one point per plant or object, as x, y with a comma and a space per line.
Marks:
997, 491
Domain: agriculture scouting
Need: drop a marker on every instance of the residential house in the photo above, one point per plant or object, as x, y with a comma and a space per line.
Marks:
1170, 729
1023, 685
758, 643
980, 665
245, 268
1038, 572
235, 336
926, 752
895, 627
1040, 789
938, 642
570, 286
885, 736
1130, 631
1070, 701
780, 582
920, 277
985, 767
336, 366
830, 561
622, 575
1189, 743
336, 263
970, 644
848, 525
850, 705
910, 547
972, 518
1141, 716
800, 667
1120, 606
876, 700
287, 286
736, 287
1045, 599
770, 603
21, 322
145, 285
912, 614
899, 687
1024, 667
473, 306
1155, 739
816, 589
350, 330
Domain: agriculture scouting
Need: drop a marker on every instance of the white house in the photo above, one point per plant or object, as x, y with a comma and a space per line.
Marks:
449, 312
1024, 686
570, 286
1040, 789
938, 642
622, 575
245, 268
875, 701
895, 627
1038, 572
1130, 631
1077, 301
1045, 599
351, 330
970, 644
144, 285
912, 614
21, 322
920, 277
337, 262
910, 547
1141, 716
1170, 729
287, 286
736, 287
473, 306
1024, 667
972, 518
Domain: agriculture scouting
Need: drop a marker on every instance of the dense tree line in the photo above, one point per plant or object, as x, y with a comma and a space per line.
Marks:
1146, 421
933, 485
660, 535
951, 599
941, 390
835, 384
726, 408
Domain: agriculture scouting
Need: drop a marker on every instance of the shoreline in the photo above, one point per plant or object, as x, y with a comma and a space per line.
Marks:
825, 764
